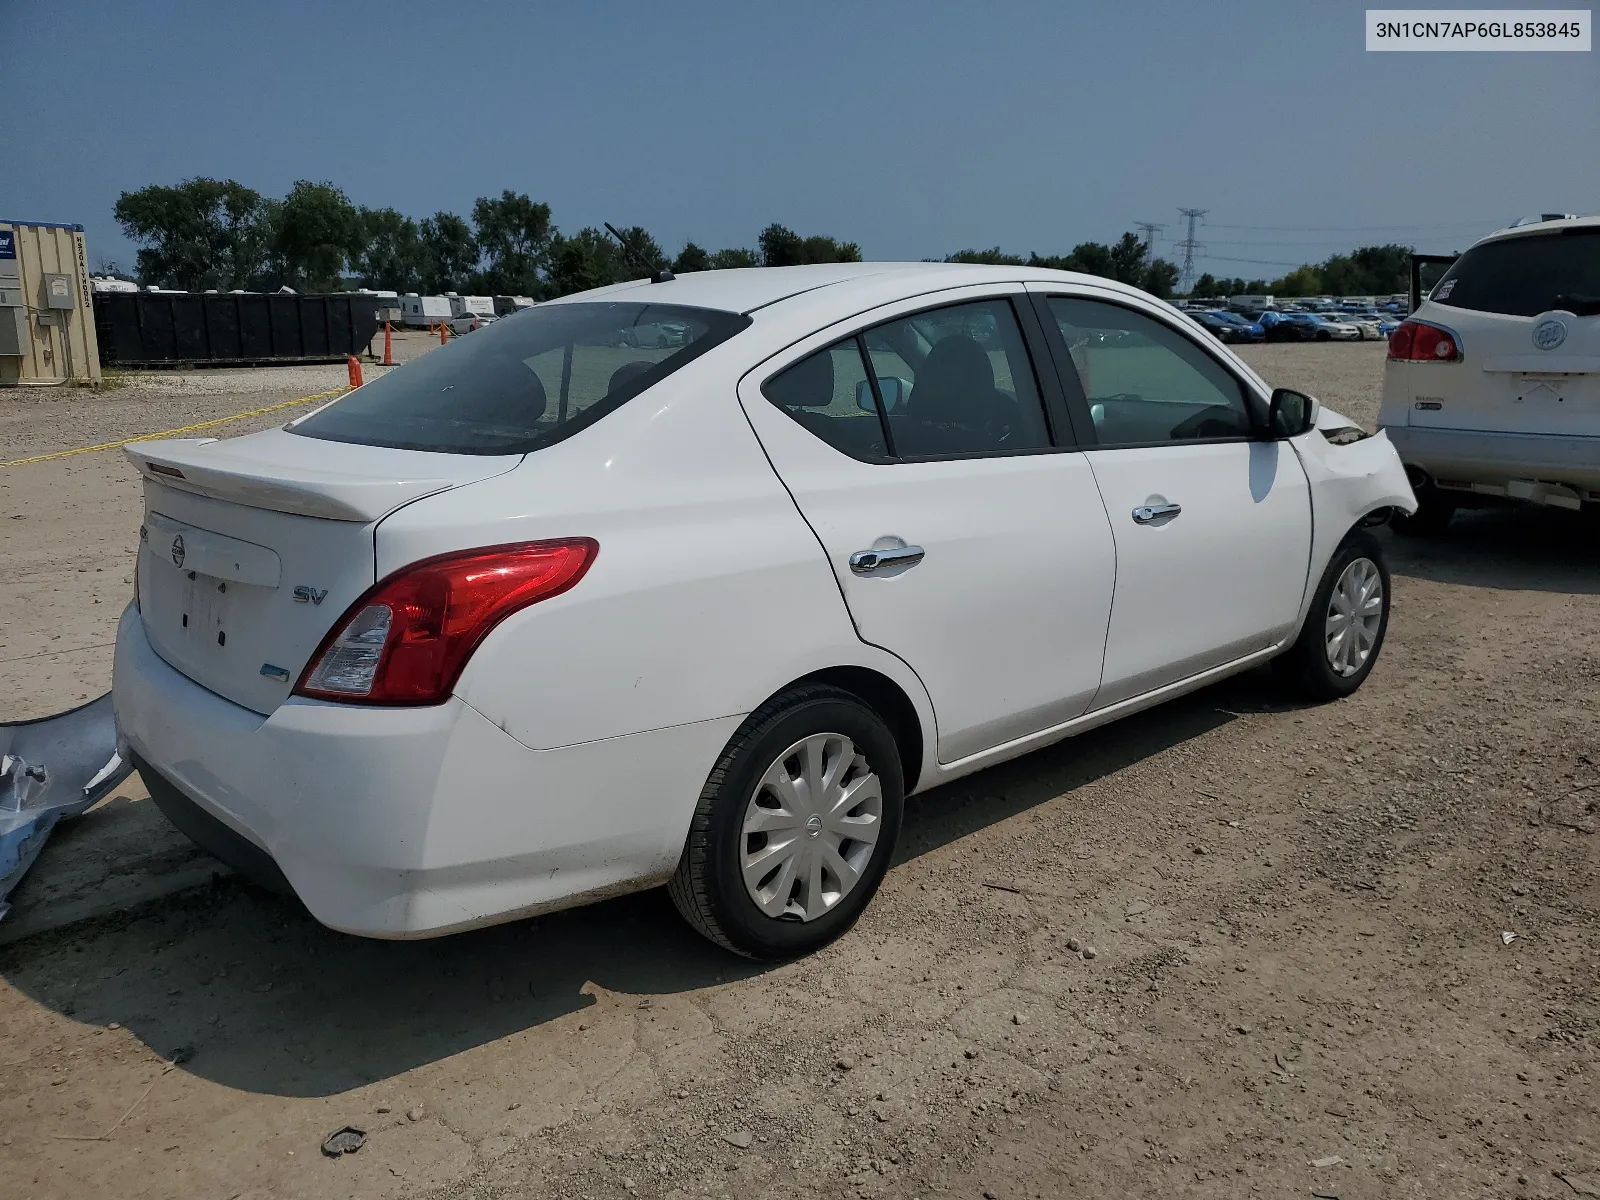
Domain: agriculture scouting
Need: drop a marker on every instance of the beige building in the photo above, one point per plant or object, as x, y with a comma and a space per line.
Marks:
47, 330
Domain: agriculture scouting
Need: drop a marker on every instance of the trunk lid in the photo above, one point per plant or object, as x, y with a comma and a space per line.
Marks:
252, 548
1523, 308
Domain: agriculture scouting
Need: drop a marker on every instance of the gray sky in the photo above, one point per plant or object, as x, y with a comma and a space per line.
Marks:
915, 129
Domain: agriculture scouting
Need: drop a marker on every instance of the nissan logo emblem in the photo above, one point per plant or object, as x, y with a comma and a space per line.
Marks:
1549, 333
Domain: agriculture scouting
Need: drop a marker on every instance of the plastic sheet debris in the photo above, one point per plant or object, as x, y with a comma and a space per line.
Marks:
1507, 937
51, 769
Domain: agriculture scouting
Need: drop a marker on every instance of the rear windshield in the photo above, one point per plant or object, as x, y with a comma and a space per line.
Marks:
524, 381
1525, 276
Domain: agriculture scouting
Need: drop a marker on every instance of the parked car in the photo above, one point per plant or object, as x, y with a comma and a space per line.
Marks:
1323, 327
535, 618
1367, 326
1276, 328
468, 321
1492, 387
1225, 330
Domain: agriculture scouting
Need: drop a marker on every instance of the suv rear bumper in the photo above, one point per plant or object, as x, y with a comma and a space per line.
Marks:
407, 822
1492, 460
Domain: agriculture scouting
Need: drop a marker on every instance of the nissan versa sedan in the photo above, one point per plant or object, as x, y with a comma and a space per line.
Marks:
694, 581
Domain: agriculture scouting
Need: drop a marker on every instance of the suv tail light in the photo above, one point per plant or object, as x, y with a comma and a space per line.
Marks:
1418, 341
407, 640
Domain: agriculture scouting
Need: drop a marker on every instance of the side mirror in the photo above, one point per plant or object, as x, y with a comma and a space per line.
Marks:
1291, 414
894, 390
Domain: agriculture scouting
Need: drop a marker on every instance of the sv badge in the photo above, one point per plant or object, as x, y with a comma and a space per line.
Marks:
307, 595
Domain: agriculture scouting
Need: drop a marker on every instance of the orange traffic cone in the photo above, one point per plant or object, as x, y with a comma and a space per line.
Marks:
444, 334
388, 347
355, 371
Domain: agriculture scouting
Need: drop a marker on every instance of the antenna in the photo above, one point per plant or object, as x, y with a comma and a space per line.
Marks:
661, 274
1190, 249
1150, 230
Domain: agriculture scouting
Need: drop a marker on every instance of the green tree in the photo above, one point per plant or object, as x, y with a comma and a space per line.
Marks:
1206, 285
514, 234
783, 247
1302, 281
588, 259
1160, 278
202, 233
643, 252
733, 258
391, 252
994, 257
691, 258
317, 231
1128, 259
450, 253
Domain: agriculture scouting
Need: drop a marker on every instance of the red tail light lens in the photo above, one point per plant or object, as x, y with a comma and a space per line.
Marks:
407, 640
1418, 341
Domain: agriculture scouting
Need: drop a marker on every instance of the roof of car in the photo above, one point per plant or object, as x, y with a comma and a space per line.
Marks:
1538, 227
748, 289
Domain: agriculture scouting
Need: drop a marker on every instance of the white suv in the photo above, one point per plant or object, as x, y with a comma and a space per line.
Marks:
1492, 388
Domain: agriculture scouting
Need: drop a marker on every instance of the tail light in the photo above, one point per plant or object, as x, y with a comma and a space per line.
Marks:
1418, 341
407, 640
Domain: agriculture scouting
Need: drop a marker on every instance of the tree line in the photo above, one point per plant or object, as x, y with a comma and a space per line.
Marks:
1366, 271
216, 233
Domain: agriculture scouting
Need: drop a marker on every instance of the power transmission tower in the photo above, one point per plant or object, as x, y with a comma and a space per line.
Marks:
1190, 249
1150, 230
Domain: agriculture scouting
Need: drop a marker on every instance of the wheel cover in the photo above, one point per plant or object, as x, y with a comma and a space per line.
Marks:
810, 828
1355, 614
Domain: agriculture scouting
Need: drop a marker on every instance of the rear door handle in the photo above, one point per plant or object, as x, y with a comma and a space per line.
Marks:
1146, 513
865, 562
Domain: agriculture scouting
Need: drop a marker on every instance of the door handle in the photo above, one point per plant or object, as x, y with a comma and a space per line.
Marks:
865, 562
1146, 513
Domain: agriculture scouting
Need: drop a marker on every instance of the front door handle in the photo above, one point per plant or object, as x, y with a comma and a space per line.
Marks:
865, 562
1146, 513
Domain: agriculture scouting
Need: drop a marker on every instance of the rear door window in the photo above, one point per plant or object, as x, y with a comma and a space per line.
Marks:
1525, 276
526, 381
948, 382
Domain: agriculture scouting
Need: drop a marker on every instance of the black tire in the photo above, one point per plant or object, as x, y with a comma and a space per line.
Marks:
708, 887
1432, 518
1305, 666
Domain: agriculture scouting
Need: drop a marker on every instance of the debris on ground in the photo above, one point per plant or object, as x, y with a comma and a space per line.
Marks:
51, 769
740, 1138
1507, 937
344, 1141
1333, 1160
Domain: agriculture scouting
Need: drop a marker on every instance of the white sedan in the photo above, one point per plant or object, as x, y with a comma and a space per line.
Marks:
468, 321
695, 581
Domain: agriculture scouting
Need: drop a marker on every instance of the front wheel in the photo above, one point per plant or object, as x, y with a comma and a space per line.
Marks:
1343, 633
795, 826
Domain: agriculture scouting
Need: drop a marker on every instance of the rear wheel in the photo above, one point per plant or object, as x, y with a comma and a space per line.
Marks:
795, 826
1339, 643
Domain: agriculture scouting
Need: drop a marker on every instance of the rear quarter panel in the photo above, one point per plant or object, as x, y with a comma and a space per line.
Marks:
709, 592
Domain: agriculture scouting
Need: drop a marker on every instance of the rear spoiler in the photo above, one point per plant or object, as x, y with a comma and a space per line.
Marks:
205, 467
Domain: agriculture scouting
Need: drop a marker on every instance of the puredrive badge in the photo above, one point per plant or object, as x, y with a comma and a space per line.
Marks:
1549, 333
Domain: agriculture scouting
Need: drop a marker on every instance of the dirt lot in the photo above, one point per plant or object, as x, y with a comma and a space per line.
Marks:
1296, 917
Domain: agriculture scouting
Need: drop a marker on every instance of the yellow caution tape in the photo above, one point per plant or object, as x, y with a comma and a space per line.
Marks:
146, 437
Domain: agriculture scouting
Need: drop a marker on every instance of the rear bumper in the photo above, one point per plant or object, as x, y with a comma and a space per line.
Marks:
1493, 460
409, 822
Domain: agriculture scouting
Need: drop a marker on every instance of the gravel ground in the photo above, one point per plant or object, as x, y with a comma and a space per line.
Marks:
1229, 947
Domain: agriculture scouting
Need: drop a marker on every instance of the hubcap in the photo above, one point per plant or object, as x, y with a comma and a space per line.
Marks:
810, 828
1355, 611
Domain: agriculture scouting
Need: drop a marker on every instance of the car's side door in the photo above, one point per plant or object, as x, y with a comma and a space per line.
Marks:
1212, 520
965, 531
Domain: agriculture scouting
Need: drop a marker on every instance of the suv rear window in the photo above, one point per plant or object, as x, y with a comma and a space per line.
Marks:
1525, 276
524, 381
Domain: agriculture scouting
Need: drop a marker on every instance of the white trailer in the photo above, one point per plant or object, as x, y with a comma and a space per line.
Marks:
424, 311
480, 306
